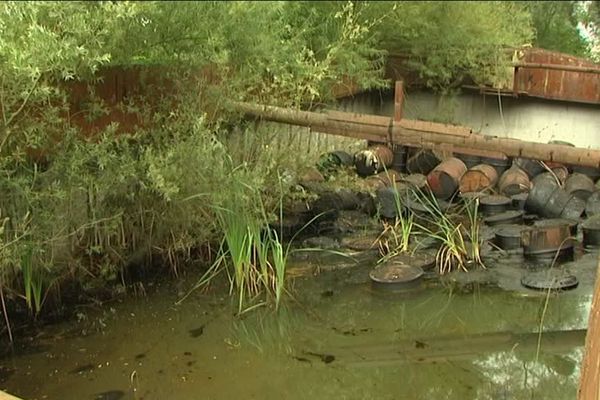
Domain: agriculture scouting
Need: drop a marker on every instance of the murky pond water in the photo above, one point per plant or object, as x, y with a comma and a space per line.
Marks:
339, 338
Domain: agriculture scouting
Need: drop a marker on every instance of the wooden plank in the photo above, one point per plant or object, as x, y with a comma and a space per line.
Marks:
589, 383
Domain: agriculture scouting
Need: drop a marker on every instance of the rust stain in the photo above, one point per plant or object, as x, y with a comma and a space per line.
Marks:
557, 85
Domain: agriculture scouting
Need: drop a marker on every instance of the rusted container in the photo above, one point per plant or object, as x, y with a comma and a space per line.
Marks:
423, 162
394, 275
592, 206
591, 233
519, 200
372, 160
399, 162
561, 172
494, 204
384, 179
499, 164
572, 224
469, 160
543, 243
514, 181
508, 237
564, 205
580, 185
504, 218
443, 180
478, 179
531, 167
590, 172
543, 187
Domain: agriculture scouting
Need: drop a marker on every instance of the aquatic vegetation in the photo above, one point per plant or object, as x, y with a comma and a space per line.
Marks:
396, 237
455, 252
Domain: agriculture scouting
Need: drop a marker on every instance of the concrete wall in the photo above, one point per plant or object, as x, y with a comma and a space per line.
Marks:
529, 119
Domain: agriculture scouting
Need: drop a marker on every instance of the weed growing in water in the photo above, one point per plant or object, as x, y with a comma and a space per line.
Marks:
454, 252
395, 238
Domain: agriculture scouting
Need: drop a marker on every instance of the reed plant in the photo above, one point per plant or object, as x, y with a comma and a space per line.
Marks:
454, 252
396, 236
251, 252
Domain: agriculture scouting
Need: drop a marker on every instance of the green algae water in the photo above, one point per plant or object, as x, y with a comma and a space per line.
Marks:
338, 338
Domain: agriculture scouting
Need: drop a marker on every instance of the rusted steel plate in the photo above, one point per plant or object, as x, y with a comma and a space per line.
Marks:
551, 83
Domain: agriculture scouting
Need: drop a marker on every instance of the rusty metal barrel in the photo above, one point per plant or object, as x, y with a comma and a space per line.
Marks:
400, 155
591, 232
592, 206
494, 204
499, 164
478, 179
545, 242
560, 171
444, 179
543, 187
383, 179
590, 172
532, 167
580, 185
422, 162
514, 181
372, 160
564, 205
469, 159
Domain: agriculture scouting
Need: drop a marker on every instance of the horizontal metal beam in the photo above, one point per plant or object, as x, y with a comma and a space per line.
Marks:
558, 67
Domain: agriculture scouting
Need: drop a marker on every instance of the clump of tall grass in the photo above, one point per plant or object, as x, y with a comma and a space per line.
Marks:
396, 236
454, 252
251, 252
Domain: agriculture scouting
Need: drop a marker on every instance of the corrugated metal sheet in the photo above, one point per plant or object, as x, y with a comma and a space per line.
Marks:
553, 84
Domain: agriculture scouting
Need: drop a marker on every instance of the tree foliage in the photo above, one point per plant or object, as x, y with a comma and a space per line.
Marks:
556, 26
448, 41
94, 203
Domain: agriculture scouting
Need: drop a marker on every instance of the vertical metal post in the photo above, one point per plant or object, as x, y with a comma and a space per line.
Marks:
589, 382
398, 100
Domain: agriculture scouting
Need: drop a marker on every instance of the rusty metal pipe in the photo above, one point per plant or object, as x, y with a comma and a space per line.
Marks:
419, 134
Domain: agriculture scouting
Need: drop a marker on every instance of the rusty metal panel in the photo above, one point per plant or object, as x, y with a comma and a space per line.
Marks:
555, 84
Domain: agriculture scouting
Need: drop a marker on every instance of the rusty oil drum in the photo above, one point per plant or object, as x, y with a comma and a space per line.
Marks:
543, 187
494, 204
444, 179
422, 162
591, 233
561, 171
400, 155
499, 164
580, 185
469, 159
547, 242
383, 179
478, 179
514, 181
564, 205
532, 167
372, 160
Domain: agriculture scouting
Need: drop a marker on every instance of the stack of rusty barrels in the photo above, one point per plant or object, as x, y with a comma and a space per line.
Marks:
539, 204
